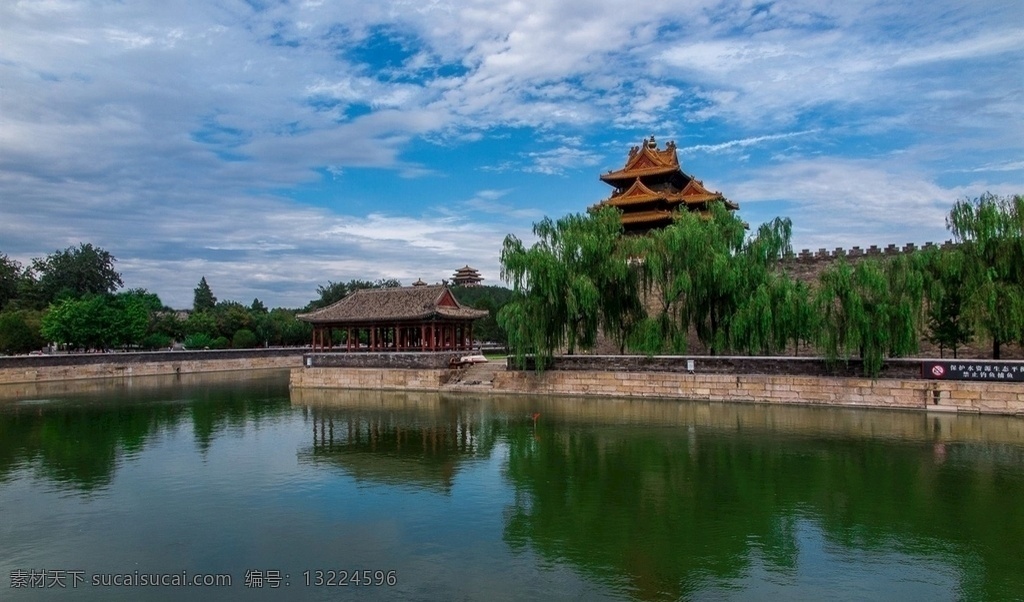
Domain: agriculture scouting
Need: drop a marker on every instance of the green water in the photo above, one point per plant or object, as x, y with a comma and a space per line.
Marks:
505, 498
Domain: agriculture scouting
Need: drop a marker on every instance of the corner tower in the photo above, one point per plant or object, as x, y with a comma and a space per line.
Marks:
652, 188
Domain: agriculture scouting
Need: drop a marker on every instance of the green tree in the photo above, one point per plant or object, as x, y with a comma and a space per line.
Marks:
492, 299
990, 233
770, 306
257, 307
20, 331
231, 316
692, 279
11, 274
287, 330
203, 299
945, 289
332, 292
80, 323
76, 272
131, 313
244, 339
198, 340
167, 322
156, 340
873, 309
201, 322
565, 285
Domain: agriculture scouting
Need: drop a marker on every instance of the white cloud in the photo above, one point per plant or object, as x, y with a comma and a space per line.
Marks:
171, 133
839, 202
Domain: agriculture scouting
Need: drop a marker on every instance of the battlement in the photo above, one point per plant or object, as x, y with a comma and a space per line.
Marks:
825, 255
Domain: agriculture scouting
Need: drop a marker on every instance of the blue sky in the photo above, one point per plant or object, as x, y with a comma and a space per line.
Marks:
273, 146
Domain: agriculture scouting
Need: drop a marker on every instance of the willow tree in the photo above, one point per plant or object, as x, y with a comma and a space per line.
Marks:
567, 285
772, 309
945, 295
990, 233
690, 276
872, 309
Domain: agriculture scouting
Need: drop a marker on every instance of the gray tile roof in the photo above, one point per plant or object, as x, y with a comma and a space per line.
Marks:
393, 304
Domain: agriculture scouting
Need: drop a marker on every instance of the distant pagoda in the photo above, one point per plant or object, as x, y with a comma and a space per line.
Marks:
652, 187
467, 276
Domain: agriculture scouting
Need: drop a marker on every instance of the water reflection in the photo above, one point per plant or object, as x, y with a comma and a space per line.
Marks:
520, 496
677, 512
76, 433
663, 500
395, 438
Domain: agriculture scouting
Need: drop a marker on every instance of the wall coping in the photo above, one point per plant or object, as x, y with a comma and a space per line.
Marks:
143, 357
737, 365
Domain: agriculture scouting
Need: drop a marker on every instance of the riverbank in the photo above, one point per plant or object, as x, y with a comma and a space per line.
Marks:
768, 383
60, 367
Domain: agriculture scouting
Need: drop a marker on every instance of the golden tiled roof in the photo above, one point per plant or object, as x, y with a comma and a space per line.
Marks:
651, 187
646, 160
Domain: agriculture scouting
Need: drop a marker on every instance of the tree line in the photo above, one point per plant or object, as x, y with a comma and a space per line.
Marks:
707, 275
72, 298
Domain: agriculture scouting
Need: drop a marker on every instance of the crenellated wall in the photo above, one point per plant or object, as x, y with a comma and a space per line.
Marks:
824, 255
807, 265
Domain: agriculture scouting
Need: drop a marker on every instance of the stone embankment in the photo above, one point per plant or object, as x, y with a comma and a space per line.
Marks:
752, 380
58, 367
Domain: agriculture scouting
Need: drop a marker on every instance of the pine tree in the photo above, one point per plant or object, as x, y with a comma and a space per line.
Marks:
204, 299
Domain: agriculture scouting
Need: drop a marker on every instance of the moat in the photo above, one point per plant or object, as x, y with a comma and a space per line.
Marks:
465, 496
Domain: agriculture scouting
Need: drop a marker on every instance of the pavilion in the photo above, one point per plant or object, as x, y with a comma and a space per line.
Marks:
651, 189
412, 318
467, 276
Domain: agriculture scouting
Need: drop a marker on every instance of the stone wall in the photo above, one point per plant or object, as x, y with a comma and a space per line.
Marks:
428, 379
729, 379
732, 365
45, 368
893, 393
414, 361
806, 265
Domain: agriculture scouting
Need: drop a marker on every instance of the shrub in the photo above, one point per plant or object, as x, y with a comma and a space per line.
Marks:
156, 340
243, 339
198, 340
